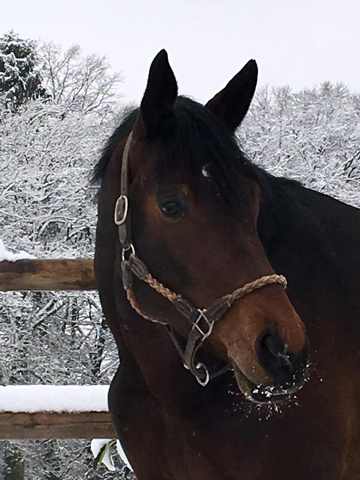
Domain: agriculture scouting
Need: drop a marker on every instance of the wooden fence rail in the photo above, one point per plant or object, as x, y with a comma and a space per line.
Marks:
48, 425
54, 411
38, 275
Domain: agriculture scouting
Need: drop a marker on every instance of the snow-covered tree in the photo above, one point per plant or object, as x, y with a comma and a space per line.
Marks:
312, 136
46, 201
47, 207
79, 83
20, 80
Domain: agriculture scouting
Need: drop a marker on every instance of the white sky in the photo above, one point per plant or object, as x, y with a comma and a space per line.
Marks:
299, 43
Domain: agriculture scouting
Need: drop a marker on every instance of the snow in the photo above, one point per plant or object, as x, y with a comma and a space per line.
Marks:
12, 257
122, 455
98, 443
96, 446
50, 398
205, 171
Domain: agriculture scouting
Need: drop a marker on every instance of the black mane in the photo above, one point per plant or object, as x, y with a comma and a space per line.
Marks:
119, 134
195, 137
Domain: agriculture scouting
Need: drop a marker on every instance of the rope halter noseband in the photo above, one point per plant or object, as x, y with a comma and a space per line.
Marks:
201, 320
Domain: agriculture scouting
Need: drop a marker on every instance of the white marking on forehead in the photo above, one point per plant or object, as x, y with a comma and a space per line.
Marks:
205, 171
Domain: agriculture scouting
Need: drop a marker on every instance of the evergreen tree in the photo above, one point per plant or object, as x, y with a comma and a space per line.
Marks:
20, 79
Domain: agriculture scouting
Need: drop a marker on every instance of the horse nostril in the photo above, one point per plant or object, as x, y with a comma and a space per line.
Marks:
286, 368
273, 346
273, 354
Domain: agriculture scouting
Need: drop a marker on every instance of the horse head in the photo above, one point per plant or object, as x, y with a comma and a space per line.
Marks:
191, 201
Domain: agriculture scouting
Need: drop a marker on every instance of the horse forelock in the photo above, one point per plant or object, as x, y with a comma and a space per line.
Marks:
201, 144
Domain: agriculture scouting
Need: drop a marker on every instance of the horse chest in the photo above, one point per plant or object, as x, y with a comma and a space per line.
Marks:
246, 446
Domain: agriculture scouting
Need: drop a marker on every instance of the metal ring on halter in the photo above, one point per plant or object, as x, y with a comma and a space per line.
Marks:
203, 383
126, 249
121, 210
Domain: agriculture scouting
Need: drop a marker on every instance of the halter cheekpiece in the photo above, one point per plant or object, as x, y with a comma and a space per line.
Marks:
201, 320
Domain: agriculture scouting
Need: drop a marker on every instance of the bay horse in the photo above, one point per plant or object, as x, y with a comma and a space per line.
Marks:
195, 246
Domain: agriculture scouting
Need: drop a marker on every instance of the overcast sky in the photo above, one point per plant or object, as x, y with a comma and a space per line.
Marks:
299, 43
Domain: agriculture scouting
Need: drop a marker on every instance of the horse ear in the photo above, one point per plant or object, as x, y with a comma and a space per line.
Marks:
232, 103
160, 94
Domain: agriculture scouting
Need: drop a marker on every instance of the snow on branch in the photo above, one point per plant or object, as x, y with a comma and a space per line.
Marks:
12, 257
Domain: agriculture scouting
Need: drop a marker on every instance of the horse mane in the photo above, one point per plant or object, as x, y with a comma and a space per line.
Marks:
119, 134
194, 139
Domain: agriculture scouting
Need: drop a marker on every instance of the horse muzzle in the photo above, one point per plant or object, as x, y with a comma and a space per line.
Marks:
278, 374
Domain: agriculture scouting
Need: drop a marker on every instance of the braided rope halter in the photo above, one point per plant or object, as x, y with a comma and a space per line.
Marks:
201, 320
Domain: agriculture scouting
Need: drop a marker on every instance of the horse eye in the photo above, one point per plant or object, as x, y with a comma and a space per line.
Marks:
174, 207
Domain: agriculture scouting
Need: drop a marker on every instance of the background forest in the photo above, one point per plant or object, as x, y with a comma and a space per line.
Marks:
56, 111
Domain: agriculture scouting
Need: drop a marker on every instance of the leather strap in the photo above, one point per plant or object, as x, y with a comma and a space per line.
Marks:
122, 210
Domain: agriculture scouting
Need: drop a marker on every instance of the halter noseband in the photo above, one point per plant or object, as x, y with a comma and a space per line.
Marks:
201, 320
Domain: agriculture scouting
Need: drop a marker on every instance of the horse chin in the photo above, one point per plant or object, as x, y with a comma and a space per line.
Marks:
261, 394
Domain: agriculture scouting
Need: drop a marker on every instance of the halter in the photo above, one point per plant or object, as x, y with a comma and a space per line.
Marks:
201, 321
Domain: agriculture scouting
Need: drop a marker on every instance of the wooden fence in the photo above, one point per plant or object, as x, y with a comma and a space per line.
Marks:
40, 275
47, 425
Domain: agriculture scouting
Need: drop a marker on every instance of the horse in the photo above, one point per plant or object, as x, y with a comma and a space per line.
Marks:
195, 247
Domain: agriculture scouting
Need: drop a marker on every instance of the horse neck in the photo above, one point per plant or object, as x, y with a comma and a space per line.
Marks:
313, 240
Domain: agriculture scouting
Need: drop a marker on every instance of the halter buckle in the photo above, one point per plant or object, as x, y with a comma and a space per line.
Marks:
210, 325
121, 210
